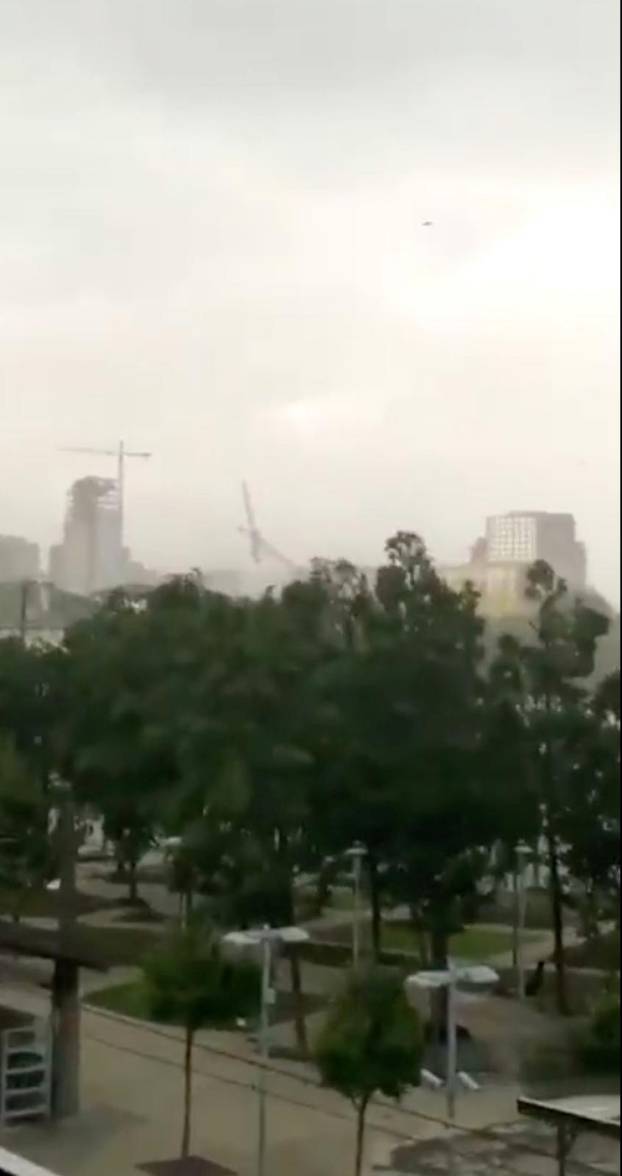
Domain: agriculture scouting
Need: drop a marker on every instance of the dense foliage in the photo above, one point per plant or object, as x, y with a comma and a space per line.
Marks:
269, 735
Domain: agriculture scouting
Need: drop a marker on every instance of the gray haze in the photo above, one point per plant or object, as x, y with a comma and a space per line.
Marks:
211, 246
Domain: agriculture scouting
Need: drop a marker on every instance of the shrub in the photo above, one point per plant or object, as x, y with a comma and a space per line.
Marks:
598, 1047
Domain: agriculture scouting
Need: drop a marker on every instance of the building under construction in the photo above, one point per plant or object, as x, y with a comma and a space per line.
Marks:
90, 557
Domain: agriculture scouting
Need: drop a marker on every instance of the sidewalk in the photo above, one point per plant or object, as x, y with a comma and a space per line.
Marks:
132, 1090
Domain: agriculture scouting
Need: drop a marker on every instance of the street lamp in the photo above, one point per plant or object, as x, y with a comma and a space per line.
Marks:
170, 847
356, 852
264, 939
476, 977
523, 852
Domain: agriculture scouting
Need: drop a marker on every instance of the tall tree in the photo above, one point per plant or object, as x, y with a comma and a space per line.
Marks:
371, 1043
268, 766
107, 747
25, 853
590, 818
446, 815
187, 981
403, 763
561, 656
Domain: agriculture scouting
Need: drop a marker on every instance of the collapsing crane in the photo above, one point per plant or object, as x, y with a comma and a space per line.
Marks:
258, 544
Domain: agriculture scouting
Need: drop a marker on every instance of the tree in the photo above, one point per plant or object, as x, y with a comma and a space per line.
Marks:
560, 658
248, 822
402, 763
108, 744
25, 856
444, 813
30, 702
188, 981
371, 1042
507, 761
589, 821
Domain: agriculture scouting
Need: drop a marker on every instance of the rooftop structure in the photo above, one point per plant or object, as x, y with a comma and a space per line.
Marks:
90, 557
498, 563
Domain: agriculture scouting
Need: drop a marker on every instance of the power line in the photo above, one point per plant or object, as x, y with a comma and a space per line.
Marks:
487, 1134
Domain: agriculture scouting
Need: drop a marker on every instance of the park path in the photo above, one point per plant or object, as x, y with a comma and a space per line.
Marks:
131, 1082
131, 1079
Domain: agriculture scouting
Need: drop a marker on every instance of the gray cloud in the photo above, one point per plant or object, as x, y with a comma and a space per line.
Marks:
211, 243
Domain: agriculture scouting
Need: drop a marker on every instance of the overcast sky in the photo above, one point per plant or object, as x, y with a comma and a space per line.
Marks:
211, 245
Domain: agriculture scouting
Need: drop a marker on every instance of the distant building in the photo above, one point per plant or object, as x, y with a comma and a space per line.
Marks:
499, 561
42, 615
90, 558
524, 536
19, 559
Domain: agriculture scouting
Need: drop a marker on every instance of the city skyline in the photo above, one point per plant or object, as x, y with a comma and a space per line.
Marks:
92, 557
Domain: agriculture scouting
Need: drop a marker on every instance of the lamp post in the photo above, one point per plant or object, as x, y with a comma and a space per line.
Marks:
356, 853
171, 847
264, 939
478, 977
522, 854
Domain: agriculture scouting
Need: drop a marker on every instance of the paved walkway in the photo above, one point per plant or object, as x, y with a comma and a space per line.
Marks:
521, 1149
132, 1085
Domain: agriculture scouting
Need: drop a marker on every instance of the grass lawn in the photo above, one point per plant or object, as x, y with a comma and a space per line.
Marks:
603, 952
43, 904
129, 1000
537, 912
343, 900
473, 943
120, 945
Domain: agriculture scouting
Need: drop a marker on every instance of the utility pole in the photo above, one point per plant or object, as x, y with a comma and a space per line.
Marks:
66, 988
356, 853
23, 610
264, 1046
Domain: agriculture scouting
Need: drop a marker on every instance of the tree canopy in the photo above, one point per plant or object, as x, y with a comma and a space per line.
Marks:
269, 735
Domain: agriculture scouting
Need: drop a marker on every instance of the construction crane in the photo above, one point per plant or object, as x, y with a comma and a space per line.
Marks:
120, 453
258, 544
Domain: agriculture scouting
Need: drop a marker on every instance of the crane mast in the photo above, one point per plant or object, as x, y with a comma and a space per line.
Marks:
120, 453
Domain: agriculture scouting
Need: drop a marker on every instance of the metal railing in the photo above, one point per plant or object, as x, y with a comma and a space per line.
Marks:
25, 1071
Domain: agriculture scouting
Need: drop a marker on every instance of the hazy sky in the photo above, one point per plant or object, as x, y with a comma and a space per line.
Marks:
211, 245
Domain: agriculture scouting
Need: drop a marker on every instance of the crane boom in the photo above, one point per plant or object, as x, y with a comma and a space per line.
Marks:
251, 529
260, 545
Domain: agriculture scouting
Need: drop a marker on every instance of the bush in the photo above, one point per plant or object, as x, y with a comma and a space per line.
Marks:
598, 1047
603, 952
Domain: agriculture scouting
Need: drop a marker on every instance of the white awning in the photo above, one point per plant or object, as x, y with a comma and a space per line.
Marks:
600, 1113
475, 975
257, 935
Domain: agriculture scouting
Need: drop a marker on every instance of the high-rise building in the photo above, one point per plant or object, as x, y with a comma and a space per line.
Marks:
90, 557
524, 536
500, 560
19, 559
